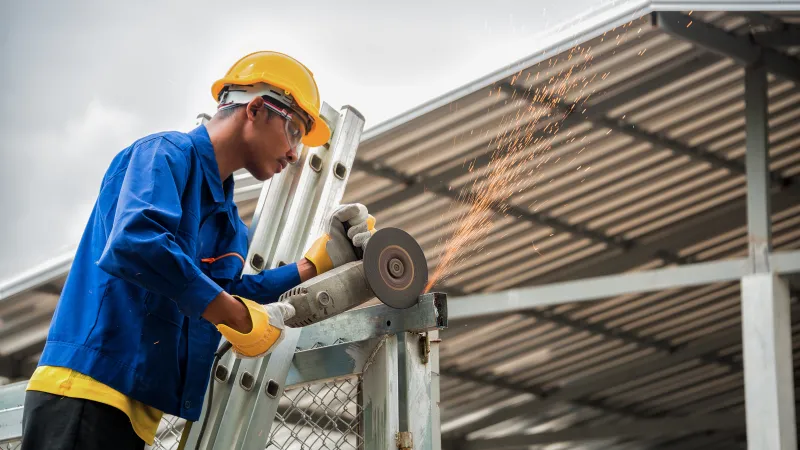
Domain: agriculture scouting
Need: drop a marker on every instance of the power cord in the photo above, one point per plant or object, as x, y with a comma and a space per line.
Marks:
217, 356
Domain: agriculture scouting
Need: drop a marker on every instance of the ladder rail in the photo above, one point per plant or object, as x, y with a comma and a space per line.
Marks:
292, 210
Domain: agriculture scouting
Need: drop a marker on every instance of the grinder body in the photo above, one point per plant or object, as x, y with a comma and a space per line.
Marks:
393, 269
329, 294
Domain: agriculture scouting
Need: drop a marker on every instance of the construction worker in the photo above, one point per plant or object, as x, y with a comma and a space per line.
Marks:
156, 279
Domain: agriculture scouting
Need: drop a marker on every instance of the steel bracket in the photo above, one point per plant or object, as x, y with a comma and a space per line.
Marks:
405, 440
424, 347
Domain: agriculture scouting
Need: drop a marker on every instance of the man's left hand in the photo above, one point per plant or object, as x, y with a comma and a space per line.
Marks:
337, 246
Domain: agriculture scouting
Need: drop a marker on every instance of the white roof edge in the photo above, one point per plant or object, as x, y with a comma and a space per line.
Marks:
724, 5
568, 34
37, 276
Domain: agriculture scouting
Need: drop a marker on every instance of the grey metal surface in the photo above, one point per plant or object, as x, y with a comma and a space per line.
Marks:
416, 392
381, 396
12, 397
769, 382
430, 313
327, 295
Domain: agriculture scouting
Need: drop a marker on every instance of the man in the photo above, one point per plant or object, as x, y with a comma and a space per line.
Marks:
156, 279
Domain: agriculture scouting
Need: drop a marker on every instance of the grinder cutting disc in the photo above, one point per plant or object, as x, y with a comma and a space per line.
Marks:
395, 267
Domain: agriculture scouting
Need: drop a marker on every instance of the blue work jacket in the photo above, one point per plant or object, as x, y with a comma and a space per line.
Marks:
164, 239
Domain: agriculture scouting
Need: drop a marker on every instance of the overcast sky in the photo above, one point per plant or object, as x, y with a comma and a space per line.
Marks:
83, 79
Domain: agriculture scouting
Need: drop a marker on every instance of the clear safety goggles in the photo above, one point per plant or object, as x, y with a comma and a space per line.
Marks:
293, 125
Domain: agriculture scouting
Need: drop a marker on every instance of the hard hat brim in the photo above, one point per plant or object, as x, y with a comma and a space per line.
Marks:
320, 133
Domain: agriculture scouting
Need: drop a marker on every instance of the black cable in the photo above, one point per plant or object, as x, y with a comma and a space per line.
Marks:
217, 355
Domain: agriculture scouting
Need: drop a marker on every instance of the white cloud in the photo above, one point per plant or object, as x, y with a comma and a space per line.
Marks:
54, 193
85, 78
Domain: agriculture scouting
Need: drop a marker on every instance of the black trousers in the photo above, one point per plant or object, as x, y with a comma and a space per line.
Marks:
53, 422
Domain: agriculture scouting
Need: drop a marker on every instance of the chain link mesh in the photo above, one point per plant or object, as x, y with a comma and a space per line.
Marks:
169, 432
320, 416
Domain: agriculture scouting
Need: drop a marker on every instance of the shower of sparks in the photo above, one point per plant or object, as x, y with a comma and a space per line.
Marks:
544, 97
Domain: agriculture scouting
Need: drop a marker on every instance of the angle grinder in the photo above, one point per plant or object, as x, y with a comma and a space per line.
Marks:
393, 269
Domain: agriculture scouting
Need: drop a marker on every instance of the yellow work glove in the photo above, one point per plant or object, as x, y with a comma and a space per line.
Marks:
267, 332
337, 247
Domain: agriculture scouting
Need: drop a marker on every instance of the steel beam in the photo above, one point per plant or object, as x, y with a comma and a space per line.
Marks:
740, 48
759, 217
642, 428
343, 345
430, 313
631, 89
537, 391
716, 221
788, 37
45, 273
466, 196
514, 300
661, 141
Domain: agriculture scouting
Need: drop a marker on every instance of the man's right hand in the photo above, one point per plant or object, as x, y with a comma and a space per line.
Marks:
264, 329
226, 310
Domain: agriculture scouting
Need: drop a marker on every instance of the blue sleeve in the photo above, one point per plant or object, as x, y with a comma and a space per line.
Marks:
268, 285
141, 245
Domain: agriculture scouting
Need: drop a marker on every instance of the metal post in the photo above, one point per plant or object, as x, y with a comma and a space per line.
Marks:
416, 399
436, 421
418, 367
767, 349
766, 315
757, 164
379, 398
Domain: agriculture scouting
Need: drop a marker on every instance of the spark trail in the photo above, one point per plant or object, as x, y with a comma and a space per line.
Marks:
541, 99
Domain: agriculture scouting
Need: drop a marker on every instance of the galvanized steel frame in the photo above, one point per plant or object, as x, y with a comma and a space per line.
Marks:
766, 311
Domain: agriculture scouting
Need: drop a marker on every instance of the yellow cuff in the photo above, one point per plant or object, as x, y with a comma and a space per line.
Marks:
318, 255
260, 338
371, 224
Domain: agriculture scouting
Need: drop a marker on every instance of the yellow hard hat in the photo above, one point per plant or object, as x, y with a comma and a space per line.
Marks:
286, 73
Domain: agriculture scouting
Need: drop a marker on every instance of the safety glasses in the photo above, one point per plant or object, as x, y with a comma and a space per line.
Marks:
293, 125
